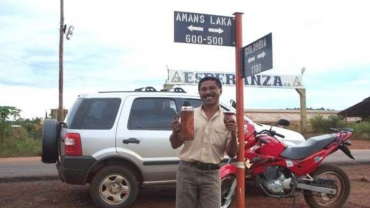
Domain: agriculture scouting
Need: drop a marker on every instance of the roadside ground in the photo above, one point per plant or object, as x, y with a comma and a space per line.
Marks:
356, 144
359, 144
55, 194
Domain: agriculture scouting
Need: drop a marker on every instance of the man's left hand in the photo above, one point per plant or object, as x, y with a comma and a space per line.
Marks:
231, 125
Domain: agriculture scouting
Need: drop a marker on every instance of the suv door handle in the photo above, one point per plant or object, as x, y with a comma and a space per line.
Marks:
131, 140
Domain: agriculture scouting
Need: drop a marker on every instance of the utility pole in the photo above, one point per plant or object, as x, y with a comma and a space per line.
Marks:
61, 33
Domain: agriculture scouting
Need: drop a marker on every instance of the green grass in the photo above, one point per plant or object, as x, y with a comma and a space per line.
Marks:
361, 130
16, 147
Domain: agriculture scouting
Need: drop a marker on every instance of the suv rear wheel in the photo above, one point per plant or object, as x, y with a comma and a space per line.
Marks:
114, 186
50, 135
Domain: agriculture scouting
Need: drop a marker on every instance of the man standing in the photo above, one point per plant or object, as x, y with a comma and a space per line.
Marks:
198, 174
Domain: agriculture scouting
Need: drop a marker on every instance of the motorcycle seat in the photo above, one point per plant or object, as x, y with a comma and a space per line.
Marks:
307, 147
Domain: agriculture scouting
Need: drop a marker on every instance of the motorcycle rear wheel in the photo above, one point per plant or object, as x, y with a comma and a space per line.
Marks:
226, 184
342, 185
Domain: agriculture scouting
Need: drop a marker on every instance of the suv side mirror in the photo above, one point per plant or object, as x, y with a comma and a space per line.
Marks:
283, 122
233, 103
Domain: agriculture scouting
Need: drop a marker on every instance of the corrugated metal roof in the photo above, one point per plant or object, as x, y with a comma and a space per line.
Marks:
294, 116
361, 109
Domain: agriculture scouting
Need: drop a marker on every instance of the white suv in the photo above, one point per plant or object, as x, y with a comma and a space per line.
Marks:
118, 142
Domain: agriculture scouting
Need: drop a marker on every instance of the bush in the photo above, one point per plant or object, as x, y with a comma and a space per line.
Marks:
317, 123
321, 124
21, 142
33, 131
361, 130
5, 129
335, 121
294, 127
20, 147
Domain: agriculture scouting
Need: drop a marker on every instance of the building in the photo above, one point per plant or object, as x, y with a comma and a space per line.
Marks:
267, 116
361, 110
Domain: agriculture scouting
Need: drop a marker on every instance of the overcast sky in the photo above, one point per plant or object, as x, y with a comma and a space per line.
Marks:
123, 45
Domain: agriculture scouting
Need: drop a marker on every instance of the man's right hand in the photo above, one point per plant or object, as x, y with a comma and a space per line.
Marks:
176, 125
175, 137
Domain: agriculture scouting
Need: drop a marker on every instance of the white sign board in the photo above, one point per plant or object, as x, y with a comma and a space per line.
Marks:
178, 77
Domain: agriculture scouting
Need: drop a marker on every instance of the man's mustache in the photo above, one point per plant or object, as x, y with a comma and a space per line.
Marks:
209, 94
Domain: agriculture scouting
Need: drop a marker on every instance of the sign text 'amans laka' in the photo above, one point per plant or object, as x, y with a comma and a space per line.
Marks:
200, 18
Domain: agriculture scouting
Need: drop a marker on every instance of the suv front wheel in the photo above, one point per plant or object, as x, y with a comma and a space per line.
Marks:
114, 187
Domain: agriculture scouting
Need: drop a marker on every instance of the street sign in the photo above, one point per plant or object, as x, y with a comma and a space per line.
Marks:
204, 29
257, 56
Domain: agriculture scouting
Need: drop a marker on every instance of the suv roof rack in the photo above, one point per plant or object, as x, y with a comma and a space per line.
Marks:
150, 89
176, 89
146, 89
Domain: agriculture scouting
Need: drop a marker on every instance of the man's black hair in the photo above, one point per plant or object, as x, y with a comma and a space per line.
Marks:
218, 82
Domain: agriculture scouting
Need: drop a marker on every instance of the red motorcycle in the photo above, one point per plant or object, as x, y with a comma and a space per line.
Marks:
284, 171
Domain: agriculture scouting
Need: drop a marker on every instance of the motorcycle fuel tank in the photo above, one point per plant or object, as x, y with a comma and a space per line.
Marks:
273, 147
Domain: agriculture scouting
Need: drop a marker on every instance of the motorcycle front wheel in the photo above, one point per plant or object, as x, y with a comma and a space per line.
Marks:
333, 177
227, 190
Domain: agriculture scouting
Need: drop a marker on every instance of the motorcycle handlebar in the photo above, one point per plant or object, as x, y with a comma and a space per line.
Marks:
263, 131
280, 135
272, 133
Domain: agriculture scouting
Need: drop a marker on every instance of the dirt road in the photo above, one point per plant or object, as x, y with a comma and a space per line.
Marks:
52, 193
55, 194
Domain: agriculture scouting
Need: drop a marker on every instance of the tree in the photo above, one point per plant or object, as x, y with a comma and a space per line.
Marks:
5, 113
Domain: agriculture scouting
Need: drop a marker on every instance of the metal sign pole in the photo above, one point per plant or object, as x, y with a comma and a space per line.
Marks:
240, 192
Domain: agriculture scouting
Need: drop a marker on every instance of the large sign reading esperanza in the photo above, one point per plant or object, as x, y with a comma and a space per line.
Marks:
178, 77
204, 29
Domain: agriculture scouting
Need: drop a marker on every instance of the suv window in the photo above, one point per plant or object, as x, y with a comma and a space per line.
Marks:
194, 102
197, 103
152, 114
97, 113
71, 114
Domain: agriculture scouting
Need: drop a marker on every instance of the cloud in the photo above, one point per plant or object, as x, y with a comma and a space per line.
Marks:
123, 45
32, 101
361, 82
